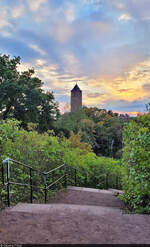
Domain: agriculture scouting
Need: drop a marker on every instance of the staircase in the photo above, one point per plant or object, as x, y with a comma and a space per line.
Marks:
75, 216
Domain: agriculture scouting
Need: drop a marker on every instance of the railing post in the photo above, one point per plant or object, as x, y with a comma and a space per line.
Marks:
8, 183
31, 186
85, 179
75, 174
107, 181
45, 189
117, 184
2, 173
65, 173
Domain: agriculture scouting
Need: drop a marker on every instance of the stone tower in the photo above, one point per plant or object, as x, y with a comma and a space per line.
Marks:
76, 98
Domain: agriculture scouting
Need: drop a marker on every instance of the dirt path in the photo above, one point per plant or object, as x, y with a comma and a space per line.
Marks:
77, 217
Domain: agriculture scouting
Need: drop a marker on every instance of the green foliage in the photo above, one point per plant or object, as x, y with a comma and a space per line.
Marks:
70, 122
47, 151
96, 172
21, 96
100, 128
136, 159
75, 142
8, 131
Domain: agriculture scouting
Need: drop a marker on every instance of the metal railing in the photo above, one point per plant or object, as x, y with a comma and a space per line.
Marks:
46, 186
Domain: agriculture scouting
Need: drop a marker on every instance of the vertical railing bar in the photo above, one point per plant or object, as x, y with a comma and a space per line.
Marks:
31, 186
53, 178
85, 179
117, 182
8, 181
107, 181
45, 189
3, 173
65, 173
8, 184
75, 171
70, 175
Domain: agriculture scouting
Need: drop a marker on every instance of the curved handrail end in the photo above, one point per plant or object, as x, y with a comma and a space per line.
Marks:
5, 160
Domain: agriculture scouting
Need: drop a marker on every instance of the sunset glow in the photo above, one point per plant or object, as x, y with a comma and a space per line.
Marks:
103, 45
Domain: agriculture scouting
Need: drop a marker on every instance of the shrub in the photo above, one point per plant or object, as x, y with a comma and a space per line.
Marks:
46, 151
136, 159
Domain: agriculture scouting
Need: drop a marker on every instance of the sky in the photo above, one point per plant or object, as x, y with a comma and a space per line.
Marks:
103, 45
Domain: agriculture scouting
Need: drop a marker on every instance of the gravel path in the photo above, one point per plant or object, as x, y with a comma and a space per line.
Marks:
74, 217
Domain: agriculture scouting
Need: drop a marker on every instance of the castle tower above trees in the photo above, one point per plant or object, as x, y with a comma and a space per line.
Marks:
76, 98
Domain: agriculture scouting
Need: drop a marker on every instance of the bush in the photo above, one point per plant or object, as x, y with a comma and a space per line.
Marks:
45, 152
136, 159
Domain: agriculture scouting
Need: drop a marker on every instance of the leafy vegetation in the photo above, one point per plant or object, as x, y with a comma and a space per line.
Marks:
136, 159
21, 96
46, 151
100, 128
33, 132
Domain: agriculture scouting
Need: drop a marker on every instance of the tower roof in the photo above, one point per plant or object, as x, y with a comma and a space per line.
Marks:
76, 88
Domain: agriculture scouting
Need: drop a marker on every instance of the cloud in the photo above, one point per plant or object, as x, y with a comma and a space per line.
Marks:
105, 96
4, 19
94, 95
16, 47
92, 2
23, 67
82, 41
7, 19
34, 5
5, 34
37, 49
136, 77
126, 90
40, 62
136, 9
18, 11
146, 86
125, 17
61, 31
71, 63
70, 13
64, 107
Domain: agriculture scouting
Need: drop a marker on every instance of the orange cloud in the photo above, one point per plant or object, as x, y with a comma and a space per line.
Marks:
97, 91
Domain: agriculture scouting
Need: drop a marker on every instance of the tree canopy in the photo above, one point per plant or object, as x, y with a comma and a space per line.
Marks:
100, 128
22, 96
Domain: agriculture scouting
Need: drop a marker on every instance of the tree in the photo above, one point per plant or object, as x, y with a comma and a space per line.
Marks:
108, 131
75, 142
100, 128
70, 122
22, 97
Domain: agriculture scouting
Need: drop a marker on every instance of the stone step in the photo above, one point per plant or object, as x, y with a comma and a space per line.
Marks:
95, 218
61, 208
72, 224
90, 190
87, 196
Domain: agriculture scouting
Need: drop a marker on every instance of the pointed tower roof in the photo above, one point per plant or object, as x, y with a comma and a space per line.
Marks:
76, 88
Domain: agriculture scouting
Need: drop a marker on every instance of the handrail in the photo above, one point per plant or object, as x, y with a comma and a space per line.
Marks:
30, 184
20, 163
30, 167
26, 185
55, 182
46, 173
